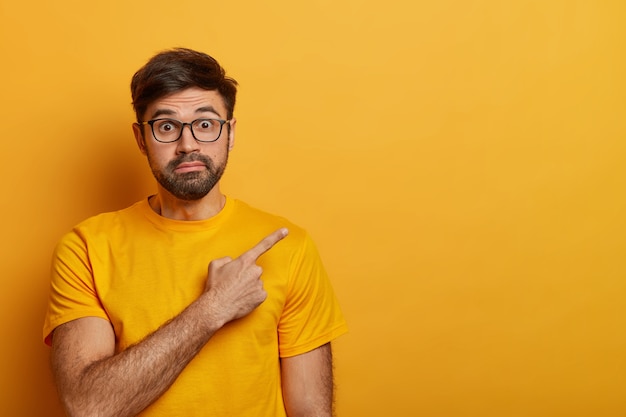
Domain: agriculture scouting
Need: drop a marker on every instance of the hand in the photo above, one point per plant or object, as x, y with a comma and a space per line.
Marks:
235, 286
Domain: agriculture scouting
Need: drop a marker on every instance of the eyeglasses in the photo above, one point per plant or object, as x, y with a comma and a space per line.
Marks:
170, 130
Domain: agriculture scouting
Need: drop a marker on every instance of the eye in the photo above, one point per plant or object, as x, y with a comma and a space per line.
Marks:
167, 126
205, 124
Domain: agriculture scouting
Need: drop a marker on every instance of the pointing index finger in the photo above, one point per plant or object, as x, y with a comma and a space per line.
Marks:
266, 244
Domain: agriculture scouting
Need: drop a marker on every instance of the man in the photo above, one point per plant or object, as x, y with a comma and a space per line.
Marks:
190, 303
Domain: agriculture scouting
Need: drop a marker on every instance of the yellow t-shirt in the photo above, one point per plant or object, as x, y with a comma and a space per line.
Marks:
138, 270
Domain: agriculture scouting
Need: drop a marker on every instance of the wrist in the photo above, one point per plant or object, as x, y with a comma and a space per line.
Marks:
211, 316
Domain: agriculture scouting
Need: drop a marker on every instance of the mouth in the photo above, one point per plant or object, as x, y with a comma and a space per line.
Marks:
190, 167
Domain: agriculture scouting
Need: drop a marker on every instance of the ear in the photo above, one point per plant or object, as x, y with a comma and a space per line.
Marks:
231, 134
141, 142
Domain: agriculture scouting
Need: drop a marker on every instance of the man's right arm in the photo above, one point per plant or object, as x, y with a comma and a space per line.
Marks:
94, 381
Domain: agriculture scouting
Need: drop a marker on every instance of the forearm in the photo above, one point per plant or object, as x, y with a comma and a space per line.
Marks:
124, 384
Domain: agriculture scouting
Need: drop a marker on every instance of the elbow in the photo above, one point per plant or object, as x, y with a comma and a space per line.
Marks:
81, 406
78, 408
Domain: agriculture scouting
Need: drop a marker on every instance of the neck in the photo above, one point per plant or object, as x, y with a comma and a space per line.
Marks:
166, 205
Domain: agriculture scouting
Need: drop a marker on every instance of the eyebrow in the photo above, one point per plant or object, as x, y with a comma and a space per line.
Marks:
168, 112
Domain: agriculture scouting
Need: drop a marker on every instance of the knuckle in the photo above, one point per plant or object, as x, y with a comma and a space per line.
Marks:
220, 261
246, 257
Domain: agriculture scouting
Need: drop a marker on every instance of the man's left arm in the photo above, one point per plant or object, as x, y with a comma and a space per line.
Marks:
307, 380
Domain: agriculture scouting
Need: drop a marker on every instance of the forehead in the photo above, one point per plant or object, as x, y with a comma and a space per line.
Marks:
189, 102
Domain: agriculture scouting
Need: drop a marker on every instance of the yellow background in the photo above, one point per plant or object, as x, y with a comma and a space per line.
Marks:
461, 165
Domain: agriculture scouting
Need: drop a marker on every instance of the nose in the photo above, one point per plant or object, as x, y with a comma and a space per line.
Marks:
187, 143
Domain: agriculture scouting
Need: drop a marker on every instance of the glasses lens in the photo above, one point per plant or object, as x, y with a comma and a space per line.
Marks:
166, 130
206, 130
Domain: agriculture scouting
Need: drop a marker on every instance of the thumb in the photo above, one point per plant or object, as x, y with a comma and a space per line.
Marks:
219, 262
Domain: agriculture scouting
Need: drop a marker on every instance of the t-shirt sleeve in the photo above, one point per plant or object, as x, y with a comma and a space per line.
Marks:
72, 290
311, 316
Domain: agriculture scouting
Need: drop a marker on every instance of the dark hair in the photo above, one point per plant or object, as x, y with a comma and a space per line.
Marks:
178, 69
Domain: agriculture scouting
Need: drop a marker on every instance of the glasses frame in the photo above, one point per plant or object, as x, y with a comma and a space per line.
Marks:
190, 124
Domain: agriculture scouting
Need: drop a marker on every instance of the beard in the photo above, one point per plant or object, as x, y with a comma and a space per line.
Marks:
189, 186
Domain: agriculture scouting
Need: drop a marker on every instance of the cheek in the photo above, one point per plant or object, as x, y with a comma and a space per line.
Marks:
217, 153
157, 159
217, 156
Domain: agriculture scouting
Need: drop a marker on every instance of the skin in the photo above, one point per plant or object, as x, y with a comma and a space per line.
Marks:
93, 380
